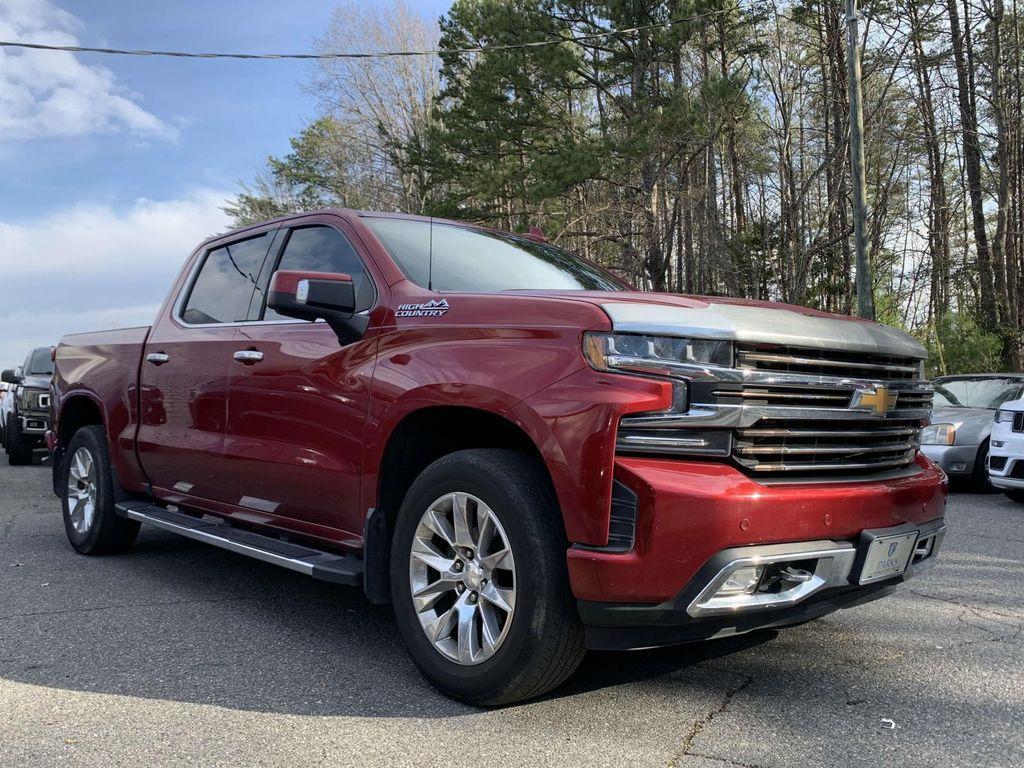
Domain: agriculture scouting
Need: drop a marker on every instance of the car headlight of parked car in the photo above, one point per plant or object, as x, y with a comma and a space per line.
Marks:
1002, 415
938, 434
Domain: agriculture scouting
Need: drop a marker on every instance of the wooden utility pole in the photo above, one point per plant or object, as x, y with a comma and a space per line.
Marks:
865, 297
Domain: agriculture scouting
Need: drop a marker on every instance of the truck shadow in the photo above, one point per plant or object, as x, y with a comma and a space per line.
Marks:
177, 620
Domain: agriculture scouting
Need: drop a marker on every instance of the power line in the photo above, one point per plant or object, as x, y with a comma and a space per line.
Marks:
369, 55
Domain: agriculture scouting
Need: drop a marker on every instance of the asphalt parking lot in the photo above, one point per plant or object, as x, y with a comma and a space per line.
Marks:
183, 655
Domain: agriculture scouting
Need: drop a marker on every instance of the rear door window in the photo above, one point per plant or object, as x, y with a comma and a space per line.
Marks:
325, 249
224, 285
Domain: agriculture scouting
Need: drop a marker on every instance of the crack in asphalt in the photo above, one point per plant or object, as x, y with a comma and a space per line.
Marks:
976, 610
703, 722
725, 760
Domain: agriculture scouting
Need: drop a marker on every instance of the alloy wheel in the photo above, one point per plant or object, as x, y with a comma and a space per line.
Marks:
82, 490
463, 578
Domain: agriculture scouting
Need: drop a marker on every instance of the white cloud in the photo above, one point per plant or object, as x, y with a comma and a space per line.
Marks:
93, 267
52, 93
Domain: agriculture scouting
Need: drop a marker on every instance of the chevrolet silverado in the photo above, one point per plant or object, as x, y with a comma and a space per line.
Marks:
522, 454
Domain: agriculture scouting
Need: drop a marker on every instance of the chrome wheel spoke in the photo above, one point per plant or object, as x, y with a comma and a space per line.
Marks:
502, 598
495, 561
442, 626
458, 548
460, 515
428, 595
485, 519
490, 631
428, 554
437, 522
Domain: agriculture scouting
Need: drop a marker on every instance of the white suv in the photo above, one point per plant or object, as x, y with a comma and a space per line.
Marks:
1006, 450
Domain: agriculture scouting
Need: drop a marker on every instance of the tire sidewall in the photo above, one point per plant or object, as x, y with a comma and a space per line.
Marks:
92, 439
533, 583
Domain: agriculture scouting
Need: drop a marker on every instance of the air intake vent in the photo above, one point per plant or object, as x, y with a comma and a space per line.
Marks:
622, 528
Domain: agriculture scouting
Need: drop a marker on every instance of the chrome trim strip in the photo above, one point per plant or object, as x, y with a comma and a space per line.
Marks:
704, 372
783, 467
764, 357
842, 450
729, 416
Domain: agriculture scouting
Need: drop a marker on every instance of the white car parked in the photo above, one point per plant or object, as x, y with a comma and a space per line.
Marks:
1006, 450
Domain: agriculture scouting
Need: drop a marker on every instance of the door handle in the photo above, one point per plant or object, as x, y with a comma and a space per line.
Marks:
248, 356
157, 358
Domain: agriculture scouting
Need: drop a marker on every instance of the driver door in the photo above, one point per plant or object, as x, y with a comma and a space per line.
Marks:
298, 399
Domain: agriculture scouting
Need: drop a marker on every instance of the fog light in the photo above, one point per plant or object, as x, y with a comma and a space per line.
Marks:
742, 581
959, 466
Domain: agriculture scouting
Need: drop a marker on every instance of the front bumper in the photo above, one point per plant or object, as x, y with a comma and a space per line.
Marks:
691, 516
955, 460
1006, 459
687, 618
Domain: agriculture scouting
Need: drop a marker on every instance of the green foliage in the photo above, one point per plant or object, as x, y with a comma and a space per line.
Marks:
957, 345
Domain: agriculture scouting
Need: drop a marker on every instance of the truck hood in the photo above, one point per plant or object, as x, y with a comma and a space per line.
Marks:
36, 382
747, 321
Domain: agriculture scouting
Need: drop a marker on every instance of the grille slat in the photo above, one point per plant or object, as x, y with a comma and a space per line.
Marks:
827, 362
790, 450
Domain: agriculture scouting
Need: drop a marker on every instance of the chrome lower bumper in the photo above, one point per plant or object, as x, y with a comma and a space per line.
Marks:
783, 575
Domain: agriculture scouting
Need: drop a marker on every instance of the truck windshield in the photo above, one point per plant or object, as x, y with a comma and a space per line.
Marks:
976, 392
39, 363
480, 261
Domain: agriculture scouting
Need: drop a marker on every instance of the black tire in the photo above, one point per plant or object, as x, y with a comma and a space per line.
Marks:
108, 533
980, 481
544, 643
19, 450
1017, 496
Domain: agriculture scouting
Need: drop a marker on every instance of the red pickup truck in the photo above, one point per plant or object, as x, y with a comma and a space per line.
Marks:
521, 453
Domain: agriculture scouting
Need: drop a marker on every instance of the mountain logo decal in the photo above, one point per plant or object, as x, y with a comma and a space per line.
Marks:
432, 308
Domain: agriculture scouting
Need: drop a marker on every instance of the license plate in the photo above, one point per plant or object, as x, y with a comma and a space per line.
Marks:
888, 556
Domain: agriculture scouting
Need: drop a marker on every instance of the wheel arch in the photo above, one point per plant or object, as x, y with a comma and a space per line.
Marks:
77, 409
416, 440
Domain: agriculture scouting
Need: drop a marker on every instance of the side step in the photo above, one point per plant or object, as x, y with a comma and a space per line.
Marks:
325, 566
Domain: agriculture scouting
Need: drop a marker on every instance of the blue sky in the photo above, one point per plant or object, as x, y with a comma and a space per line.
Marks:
114, 167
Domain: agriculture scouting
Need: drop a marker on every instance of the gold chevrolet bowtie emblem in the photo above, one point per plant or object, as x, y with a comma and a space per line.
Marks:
880, 400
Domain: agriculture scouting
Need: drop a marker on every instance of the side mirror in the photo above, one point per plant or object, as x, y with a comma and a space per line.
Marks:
318, 296
10, 376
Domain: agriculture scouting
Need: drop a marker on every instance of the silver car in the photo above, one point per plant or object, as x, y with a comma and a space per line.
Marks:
962, 418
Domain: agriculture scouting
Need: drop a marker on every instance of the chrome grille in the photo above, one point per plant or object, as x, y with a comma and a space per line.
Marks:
823, 446
1018, 421
826, 362
792, 413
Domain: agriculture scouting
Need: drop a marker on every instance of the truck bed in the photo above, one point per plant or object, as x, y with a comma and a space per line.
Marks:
103, 368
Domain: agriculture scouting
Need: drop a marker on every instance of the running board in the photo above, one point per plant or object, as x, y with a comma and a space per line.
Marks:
326, 566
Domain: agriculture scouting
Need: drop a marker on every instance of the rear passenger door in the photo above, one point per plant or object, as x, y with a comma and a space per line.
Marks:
299, 399
185, 369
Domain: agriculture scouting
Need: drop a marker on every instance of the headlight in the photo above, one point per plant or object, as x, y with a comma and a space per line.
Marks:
660, 432
652, 354
1002, 415
938, 434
